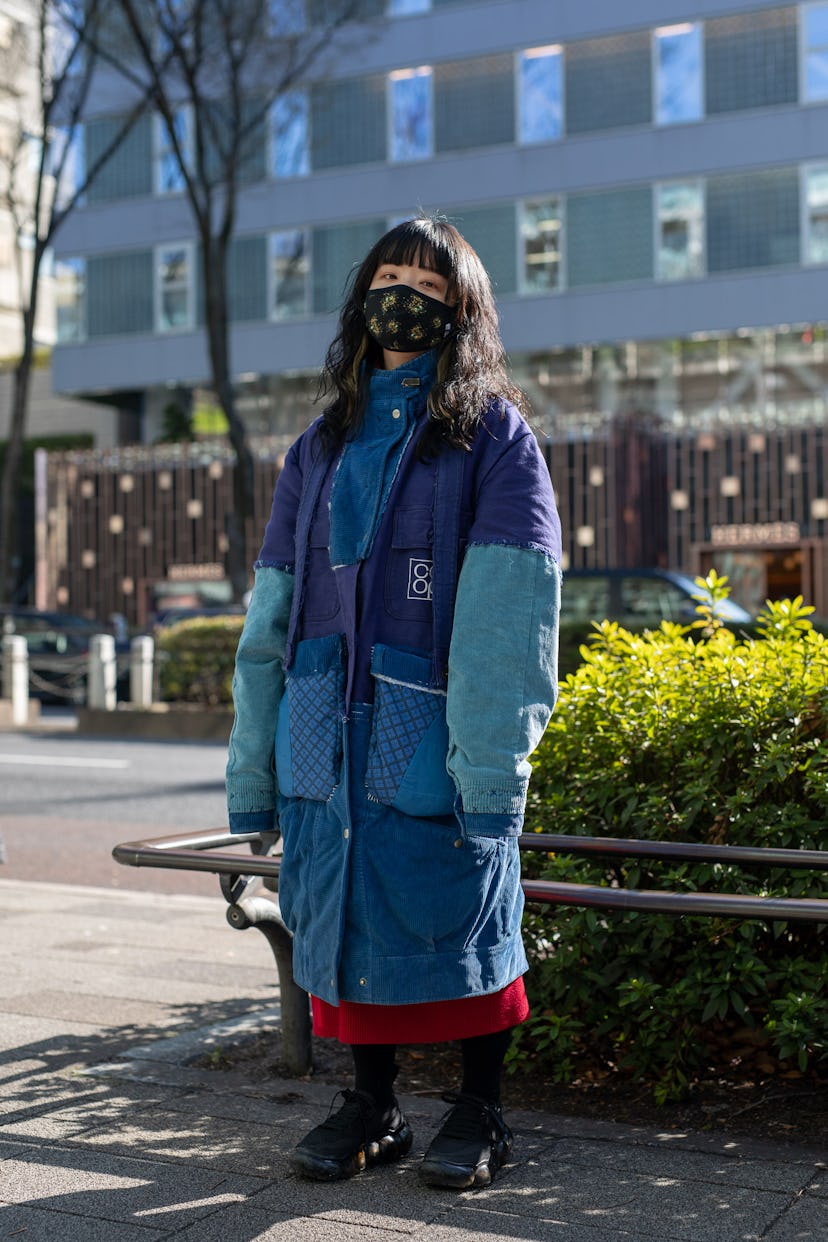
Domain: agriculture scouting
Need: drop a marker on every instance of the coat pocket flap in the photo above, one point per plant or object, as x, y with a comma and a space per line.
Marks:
413, 528
406, 668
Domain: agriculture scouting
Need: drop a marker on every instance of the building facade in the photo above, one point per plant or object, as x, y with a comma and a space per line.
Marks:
647, 185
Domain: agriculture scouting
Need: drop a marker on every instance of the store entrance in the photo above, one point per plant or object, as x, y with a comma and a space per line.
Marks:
757, 574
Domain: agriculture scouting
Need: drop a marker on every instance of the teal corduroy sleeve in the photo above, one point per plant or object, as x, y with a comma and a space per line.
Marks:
503, 677
258, 684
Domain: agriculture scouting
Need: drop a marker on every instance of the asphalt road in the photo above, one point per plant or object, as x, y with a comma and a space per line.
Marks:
66, 800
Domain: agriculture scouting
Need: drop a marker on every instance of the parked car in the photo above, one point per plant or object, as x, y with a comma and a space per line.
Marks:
58, 644
637, 598
172, 615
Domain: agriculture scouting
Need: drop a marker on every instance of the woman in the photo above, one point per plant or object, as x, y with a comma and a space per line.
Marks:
401, 645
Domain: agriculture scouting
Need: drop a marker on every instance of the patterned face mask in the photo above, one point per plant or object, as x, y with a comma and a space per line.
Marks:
405, 320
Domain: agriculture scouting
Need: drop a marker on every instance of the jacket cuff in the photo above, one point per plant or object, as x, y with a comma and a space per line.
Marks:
252, 821
478, 824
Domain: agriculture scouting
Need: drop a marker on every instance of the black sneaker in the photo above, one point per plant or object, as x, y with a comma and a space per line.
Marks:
358, 1135
470, 1146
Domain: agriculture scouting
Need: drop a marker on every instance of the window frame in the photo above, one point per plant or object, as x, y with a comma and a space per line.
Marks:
804, 50
523, 288
272, 284
272, 138
389, 10
161, 147
158, 288
654, 66
549, 48
83, 334
404, 73
805, 219
657, 187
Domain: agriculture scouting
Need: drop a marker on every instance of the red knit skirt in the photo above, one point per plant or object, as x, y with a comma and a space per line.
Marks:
429, 1023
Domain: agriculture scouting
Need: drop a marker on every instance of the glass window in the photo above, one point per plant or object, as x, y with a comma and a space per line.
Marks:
290, 273
290, 148
753, 220
609, 236
541, 243
174, 288
169, 178
541, 94
67, 162
285, 18
608, 82
678, 51
680, 212
70, 299
815, 49
474, 103
750, 60
348, 122
817, 203
410, 113
401, 8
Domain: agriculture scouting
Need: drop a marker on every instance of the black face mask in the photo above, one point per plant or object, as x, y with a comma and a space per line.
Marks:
407, 321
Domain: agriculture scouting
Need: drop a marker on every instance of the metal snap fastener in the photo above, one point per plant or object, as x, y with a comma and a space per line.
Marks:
395, 413
346, 834
458, 843
362, 982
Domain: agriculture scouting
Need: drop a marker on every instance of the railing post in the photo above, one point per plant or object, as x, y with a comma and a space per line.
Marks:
16, 676
141, 657
103, 673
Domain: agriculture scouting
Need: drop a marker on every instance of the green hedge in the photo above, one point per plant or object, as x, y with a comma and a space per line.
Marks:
706, 736
195, 660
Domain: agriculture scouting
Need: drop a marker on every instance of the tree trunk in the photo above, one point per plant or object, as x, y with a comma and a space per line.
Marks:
10, 489
214, 251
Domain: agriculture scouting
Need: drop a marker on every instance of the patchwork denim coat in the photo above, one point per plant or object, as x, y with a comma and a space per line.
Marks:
398, 665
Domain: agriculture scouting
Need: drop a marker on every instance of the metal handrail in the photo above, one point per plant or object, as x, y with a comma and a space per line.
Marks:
186, 852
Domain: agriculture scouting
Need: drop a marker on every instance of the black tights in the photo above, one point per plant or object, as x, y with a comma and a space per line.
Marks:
375, 1068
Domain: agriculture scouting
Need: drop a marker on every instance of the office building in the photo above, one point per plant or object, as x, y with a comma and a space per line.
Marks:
648, 187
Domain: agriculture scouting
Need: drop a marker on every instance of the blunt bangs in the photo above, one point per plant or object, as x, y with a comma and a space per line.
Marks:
420, 242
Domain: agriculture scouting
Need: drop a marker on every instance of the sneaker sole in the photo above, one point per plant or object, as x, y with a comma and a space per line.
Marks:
461, 1177
383, 1150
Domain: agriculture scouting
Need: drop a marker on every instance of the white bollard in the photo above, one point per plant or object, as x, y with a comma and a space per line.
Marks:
103, 673
16, 676
141, 656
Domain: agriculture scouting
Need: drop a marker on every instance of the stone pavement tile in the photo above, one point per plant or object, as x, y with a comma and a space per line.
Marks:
641, 1201
24, 1036
200, 1142
653, 1160
110, 1188
253, 1225
55, 1107
819, 1185
469, 1224
85, 1007
33, 1224
390, 1197
805, 1221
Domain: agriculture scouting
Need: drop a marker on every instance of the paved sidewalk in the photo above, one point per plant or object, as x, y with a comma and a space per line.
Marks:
108, 1135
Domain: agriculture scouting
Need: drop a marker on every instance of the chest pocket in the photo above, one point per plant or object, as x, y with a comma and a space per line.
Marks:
408, 576
320, 601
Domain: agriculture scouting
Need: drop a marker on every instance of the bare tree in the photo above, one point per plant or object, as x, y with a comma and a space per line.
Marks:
46, 72
222, 64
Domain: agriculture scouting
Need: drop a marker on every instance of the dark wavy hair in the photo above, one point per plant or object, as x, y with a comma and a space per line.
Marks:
471, 363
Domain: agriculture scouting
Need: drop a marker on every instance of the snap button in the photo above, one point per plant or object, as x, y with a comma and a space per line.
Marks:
362, 982
346, 834
395, 413
458, 843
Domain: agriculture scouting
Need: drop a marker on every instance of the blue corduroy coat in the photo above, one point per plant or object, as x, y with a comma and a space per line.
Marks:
398, 665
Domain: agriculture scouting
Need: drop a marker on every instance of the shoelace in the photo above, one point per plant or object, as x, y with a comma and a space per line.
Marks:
464, 1119
357, 1108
